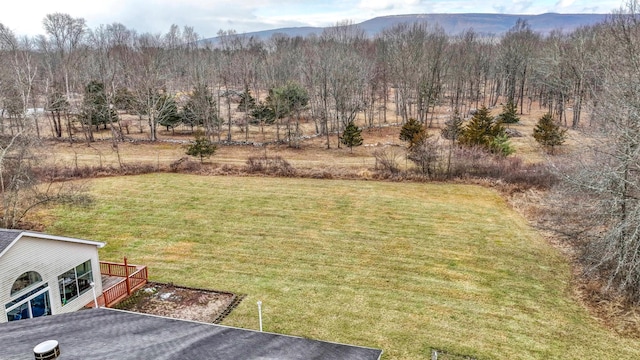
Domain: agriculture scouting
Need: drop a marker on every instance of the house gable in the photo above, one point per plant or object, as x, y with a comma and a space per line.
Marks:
9, 238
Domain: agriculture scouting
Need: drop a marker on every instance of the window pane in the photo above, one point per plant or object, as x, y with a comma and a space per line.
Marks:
67, 285
24, 280
70, 292
40, 305
84, 282
19, 313
83, 268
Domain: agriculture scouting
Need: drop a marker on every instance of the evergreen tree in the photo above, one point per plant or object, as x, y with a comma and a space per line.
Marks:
484, 131
509, 114
201, 109
263, 113
479, 130
409, 131
285, 102
453, 127
501, 145
247, 101
167, 111
548, 134
351, 136
124, 100
201, 146
188, 115
57, 104
96, 110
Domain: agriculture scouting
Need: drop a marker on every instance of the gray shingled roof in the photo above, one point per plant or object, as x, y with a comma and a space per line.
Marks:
115, 334
7, 237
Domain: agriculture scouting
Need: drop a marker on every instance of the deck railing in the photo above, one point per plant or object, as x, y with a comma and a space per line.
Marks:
133, 278
116, 269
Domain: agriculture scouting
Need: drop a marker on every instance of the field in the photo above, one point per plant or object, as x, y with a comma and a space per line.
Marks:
404, 267
312, 153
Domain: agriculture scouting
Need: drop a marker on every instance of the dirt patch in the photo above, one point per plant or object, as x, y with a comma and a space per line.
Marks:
182, 302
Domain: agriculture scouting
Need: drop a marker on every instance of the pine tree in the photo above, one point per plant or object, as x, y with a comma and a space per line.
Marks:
247, 101
501, 145
479, 129
167, 111
351, 136
453, 127
95, 107
409, 131
548, 134
486, 132
124, 100
509, 114
201, 146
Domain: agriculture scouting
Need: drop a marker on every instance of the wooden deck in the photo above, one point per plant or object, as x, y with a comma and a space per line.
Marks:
119, 281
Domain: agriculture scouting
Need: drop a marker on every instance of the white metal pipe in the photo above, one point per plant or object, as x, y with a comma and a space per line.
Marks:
260, 313
95, 299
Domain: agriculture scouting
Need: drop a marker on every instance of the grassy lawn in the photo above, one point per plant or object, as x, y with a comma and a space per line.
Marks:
398, 266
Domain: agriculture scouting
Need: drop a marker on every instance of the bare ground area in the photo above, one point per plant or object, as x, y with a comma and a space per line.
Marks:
184, 303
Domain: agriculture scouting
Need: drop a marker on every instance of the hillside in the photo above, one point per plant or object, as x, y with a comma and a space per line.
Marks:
452, 24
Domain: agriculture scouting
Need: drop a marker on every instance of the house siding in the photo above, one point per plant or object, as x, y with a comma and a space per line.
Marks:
50, 258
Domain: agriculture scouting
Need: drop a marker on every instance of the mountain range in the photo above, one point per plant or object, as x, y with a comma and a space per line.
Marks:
452, 24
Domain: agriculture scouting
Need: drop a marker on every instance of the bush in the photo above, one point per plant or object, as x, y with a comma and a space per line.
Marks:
272, 166
184, 164
387, 161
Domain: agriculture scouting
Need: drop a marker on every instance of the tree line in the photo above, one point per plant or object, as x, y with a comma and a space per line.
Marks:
80, 76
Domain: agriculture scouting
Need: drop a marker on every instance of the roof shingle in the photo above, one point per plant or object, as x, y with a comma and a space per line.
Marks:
7, 237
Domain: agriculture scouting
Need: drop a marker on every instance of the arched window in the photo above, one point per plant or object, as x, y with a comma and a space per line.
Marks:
25, 280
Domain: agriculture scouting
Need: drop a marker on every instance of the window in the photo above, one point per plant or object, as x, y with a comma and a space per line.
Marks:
25, 280
75, 282
35, 303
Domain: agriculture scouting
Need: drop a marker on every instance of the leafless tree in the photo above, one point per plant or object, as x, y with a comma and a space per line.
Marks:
518, 49
608, 175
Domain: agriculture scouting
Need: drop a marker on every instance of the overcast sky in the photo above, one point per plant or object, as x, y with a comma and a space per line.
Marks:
24, 17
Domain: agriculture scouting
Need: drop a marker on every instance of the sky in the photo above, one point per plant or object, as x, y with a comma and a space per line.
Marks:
207, 17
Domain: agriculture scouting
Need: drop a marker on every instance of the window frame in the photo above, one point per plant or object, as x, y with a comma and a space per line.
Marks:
30, 285
76, 284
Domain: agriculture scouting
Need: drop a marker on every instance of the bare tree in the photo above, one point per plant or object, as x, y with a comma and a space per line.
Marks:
608, 176
66, 35
518, 48
21, 77
22, 186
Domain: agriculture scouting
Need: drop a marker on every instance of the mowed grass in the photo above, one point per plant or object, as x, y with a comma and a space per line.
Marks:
399, 266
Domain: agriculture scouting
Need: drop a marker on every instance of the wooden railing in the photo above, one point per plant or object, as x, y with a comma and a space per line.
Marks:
114, 294
116, 269
133, 278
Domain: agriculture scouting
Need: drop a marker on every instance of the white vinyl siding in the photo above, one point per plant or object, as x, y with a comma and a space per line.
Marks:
50, 258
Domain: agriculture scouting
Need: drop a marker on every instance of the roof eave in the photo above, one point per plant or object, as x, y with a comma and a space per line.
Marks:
37, 235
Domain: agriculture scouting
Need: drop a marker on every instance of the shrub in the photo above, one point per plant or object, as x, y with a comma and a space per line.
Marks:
273, 166
387, 161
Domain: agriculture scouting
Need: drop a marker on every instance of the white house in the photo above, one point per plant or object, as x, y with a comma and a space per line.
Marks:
43, 274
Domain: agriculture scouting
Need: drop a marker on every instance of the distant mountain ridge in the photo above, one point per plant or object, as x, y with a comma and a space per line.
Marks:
453, 24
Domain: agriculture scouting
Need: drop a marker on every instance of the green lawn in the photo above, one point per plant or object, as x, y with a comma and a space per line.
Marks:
399, 266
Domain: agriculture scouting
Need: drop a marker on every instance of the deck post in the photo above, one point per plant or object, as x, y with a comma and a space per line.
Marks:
126, 273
